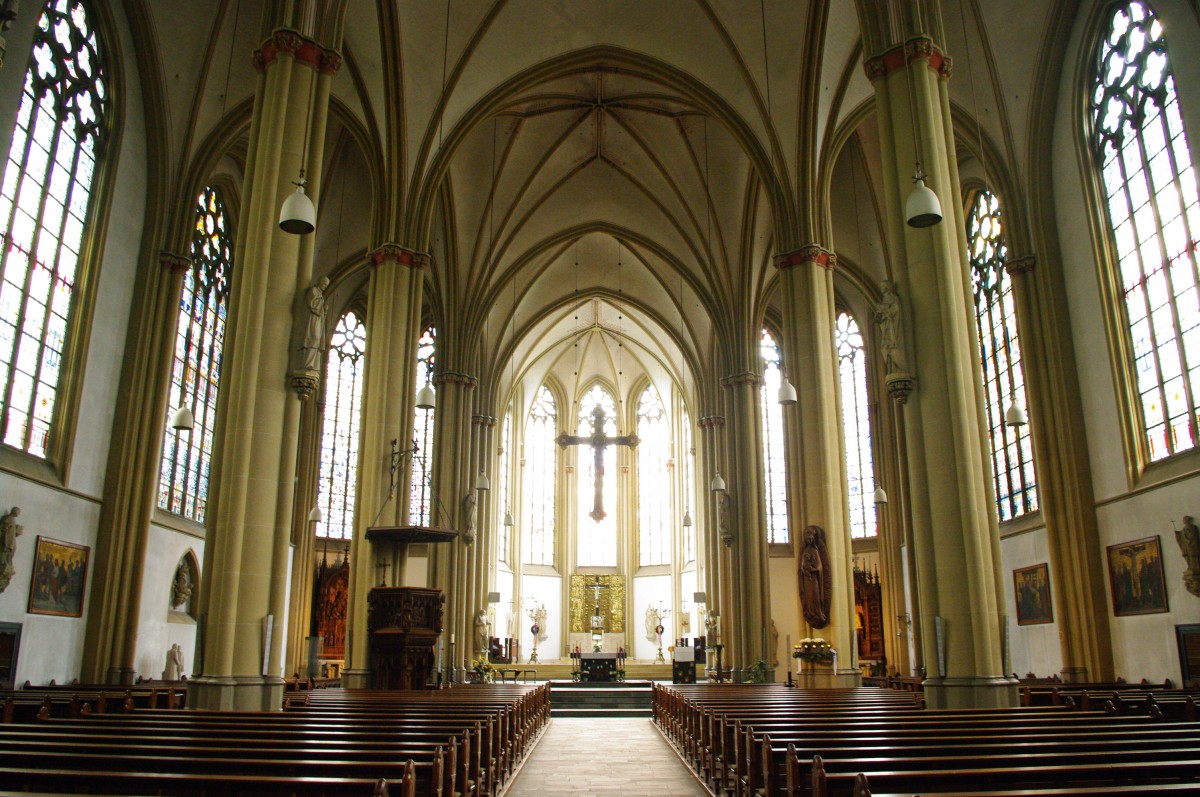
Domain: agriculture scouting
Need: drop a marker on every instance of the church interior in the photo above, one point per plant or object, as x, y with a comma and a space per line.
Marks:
624, 328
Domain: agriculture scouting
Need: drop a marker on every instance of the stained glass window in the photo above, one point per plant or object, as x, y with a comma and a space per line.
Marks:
56, 146
540, 470
774, 462
597, 545
1000, 353
654, 480
856, 426
504, 527
1151, 191
419, 509
340, 427
196, 370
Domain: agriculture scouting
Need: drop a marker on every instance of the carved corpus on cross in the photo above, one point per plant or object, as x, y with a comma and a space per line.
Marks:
597, 618
598, 441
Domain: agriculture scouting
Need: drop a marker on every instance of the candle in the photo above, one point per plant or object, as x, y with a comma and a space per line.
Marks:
451, 637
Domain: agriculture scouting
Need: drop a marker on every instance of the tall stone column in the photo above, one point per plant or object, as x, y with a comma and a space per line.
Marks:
300, 600
818, 460
131, 488
389, 398
716, 552
748, 632
483, 559
936, 371
454, 500
244, 601
1064, 473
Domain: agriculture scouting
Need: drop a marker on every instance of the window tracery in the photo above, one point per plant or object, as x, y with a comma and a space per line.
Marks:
774, 462
856, 426
344, 372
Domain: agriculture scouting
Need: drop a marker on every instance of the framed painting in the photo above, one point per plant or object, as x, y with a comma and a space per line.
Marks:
59, 578
1031, 586
1135, 577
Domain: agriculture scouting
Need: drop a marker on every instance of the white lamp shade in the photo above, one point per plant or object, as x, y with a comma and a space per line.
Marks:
508, 519
316, 515
482, 482
687, 518
718, 484
787, 393
922, 209
298, 216
880, 496
1015, 415
426, 399
183, 420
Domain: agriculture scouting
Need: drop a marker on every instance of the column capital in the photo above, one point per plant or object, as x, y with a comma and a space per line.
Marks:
918, 48
711, 422
811, 253
454, 378
285, 41
396, 253
174, 262
743, 378
1020, 265
483, 420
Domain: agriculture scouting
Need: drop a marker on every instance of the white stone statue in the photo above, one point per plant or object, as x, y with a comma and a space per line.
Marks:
469, 503
773, 637
653, 620
483, 631
1189, 544
181, 588
174, 670
313, 346
887, 316
9, 531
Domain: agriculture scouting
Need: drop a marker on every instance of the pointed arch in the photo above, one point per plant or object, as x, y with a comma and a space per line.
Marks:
774, 454
856, 425
654, 469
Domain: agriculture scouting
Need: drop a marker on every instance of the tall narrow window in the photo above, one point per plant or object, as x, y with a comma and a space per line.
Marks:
597, 536
774, 462
856, 426
339, 432
1000, 353
196, 370
688, 488
419, 509
1151, 191
655, 521
505, 524
44, 199
541, 461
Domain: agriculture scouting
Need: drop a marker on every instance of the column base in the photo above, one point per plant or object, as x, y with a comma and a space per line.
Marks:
356, 679
235, 693
970, 692
120, 675
827, 678
1074, 675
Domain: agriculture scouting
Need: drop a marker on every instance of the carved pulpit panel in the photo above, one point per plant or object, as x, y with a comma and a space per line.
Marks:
868, 608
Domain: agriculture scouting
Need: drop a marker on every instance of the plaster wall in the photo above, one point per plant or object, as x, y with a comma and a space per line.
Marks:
1033, 648
158, 626
650, 591
545, 591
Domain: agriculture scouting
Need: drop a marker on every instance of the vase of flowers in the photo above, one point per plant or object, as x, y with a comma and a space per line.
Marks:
483, 669
814, 650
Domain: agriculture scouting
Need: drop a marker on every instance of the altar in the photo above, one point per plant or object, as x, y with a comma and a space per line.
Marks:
598, 667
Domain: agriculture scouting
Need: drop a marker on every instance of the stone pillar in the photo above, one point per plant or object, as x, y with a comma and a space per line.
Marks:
245, 597
716, 552
749, 630
935, 371
389, 398
131, 489
483, 561
1064, 474
304, 538
453, 490
817, 459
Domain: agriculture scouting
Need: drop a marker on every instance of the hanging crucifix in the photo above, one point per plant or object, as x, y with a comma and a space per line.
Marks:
598, 441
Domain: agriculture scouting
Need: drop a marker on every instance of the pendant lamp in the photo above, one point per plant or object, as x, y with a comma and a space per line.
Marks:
483, 483
880, 496
787, 392
718, 483
426, 399
316, 515
922, 208
183, 420
298, 216
1014, 416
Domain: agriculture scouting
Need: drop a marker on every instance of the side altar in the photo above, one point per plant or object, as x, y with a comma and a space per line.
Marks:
404, 623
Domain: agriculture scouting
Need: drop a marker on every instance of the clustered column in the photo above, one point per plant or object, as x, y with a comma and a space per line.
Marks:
818, 462
389, 397
955, 532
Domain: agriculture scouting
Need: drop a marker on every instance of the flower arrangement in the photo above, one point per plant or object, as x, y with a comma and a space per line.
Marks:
484, 670
813, 649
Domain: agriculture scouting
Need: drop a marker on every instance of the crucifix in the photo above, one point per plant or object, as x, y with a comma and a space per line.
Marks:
598, 441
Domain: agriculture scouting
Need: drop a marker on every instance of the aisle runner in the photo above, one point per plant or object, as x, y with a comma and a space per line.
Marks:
586, 757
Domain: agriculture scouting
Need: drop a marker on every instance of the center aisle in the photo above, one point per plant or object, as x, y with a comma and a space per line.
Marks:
618, 757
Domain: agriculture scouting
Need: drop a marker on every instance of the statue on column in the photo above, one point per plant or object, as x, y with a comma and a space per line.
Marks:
887, 316
816, 587
469, 502
9, 531
483, 628
725, 518
1189, 544
174, 670
313, 346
